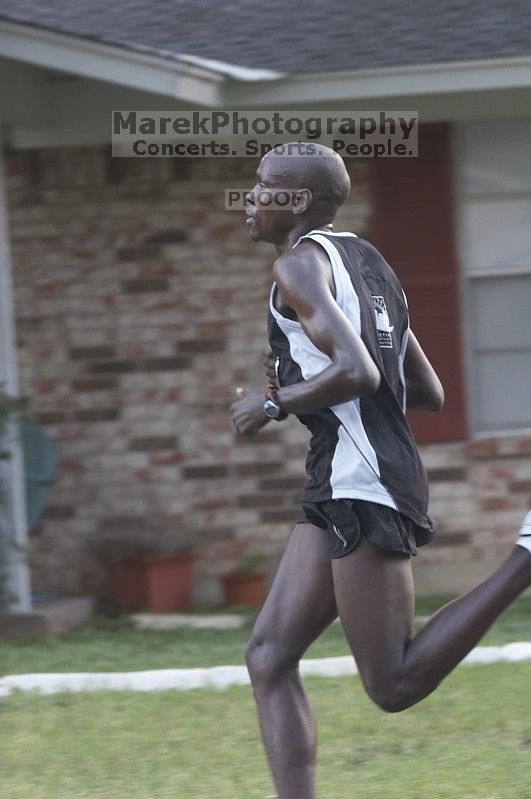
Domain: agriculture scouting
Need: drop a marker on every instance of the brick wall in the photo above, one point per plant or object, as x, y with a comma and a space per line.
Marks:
140, 305
479, 492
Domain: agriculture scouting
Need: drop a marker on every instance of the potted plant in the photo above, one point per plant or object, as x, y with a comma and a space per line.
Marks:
148, 566
246, 584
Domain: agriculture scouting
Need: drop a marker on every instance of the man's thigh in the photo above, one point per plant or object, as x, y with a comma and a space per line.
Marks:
376, 603
301, 602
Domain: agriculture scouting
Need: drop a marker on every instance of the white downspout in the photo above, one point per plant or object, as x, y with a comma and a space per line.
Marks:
13, 468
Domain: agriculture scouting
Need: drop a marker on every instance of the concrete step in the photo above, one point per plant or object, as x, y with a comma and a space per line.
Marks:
176, 621
55, 617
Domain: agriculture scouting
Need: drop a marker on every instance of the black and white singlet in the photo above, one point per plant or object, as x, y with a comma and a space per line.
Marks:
363, 448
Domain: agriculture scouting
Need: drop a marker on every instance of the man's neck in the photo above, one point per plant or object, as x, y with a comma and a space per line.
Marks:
295, 234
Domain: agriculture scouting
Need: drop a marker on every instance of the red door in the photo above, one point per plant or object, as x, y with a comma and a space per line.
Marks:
413, 228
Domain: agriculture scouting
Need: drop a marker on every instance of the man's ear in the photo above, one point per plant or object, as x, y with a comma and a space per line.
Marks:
302, 199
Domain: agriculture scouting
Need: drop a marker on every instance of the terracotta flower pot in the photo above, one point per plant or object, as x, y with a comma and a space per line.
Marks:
154, 583
245, 589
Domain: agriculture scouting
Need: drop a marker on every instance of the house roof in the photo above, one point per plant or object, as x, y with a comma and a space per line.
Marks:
294, 37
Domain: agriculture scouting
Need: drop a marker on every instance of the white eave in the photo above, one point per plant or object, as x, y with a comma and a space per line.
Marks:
389, 81
210, 84
235, 71
186, 77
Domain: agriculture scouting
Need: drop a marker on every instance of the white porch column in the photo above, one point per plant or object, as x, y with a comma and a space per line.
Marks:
12, 469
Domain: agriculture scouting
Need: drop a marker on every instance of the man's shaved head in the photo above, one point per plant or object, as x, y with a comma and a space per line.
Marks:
312, 166
314, 179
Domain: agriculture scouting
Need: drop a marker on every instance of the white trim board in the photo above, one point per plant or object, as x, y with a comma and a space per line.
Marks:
12, 469
218, 677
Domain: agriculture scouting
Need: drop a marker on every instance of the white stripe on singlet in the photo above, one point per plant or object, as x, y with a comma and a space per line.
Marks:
355, 472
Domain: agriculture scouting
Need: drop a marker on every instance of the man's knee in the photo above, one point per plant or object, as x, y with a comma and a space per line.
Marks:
388, 693
267, 659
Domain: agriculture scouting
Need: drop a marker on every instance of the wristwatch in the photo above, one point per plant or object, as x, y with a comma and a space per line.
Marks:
272, 407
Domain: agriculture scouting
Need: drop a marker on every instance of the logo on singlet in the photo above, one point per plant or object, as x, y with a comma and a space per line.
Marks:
383, 326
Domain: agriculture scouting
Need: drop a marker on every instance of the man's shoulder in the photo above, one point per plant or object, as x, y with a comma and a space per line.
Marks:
301, 262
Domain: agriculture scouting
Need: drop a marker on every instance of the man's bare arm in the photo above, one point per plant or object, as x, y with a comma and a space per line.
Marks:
303, 286
423, 387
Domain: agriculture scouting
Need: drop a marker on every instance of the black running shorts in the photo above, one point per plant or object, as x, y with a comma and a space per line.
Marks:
346, 520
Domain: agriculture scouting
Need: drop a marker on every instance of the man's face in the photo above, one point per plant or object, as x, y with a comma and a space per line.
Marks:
269, 208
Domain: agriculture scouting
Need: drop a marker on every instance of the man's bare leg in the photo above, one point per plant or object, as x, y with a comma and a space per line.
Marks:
299, 607
375, 599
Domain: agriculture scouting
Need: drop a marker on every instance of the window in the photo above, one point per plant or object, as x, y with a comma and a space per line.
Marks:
494, 191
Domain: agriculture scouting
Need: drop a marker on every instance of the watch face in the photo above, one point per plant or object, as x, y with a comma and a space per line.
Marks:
271, 409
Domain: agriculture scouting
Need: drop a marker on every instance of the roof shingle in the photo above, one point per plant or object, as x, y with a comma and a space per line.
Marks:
295, 37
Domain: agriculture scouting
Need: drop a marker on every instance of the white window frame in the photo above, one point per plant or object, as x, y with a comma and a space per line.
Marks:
467, 278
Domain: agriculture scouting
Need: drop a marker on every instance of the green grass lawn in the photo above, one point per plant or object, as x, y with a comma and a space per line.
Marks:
115, 645
469, 740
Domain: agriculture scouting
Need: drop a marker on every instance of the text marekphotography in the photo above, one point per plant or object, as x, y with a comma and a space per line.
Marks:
207, 134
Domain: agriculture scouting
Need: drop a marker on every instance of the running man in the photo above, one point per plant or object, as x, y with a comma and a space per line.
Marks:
345, 362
